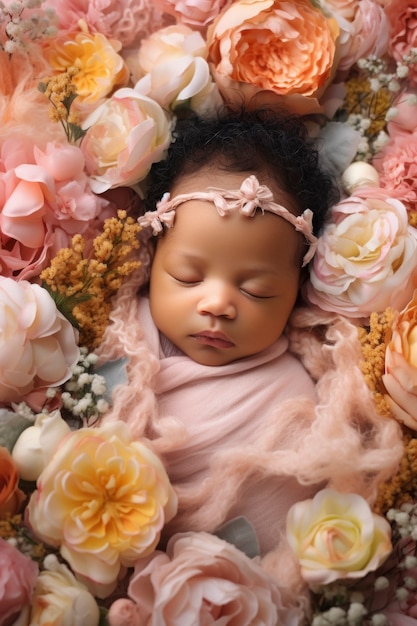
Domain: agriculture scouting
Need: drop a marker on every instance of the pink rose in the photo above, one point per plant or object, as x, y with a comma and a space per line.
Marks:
18, 575
397, 167
364, 30
402, 15
38, 345
400, 378
126, 134
287, 49
366, 258
202, 579
195, 13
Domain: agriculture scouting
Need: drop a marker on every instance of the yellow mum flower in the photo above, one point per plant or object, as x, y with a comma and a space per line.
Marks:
100, 67
103, 500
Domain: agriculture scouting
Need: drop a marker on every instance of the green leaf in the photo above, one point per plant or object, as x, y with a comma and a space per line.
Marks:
11, 427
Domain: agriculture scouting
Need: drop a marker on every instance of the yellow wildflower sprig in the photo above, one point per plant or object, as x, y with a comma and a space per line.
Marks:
83, 285
61, 92
372, 364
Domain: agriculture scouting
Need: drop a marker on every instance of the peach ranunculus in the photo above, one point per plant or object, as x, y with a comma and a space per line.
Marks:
171, 68
102, 500
100, 68
59, 598
287, 49
402, 15
336, 536
364, 29
195, 13
400, 378
38, 345
17, 580
201, 579
366, 257
126, 134
11, 497
397, 167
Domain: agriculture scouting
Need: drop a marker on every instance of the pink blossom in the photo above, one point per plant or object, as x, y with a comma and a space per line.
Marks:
405, 119
202, 579
128, 21
18, 575
396, 164
402, 16
195, 13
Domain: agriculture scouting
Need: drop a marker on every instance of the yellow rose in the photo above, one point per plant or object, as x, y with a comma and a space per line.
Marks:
59, 598
337, 536
103, 500
400, 378
100, 67
287, 48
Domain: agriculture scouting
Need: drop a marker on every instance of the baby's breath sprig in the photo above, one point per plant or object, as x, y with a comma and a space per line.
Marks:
371, 89
82, 286
19, 27
61, 92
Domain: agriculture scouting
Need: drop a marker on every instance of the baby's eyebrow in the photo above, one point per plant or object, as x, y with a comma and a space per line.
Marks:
250, 197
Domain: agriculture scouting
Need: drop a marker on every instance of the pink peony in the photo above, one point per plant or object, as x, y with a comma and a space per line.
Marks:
397, 167
195, 13
202, 579
366, 258
364, 30
18, 575
38, 345
402, 16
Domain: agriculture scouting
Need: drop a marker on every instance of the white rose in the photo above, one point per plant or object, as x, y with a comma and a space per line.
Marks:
37, 444
60, 599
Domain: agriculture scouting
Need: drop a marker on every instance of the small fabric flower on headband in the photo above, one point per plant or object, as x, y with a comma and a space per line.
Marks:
250, 197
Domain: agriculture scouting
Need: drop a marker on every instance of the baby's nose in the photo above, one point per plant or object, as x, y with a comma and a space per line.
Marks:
217, 300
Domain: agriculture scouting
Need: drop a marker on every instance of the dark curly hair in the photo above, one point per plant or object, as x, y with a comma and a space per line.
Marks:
261, 141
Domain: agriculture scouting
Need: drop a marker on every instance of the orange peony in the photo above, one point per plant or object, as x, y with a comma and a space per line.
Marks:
280, 47
11, 497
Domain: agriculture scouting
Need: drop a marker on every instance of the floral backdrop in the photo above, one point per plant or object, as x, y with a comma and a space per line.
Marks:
89, 96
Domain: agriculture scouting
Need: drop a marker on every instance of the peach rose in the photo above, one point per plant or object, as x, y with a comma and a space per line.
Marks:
59, 598
402, 15
285, 48
11, 497
17, 580
126, 134
100, 67
202, 579
38, 346
400, 378
366, 258
171, 68
336, 536
102, 500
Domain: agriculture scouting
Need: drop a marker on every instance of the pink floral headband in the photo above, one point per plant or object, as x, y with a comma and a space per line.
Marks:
246, 200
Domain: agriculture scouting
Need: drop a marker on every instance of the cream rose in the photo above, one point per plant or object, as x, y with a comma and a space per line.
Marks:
366, 258
126, 134
37, 444
103, 500
202, 579
171, 68
285, 48
337, 536
400, 378
59, 598
38, 346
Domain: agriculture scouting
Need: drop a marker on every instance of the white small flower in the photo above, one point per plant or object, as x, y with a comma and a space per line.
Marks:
410, 562
410, 583
402, 594
381, 583
355, 613
378, 619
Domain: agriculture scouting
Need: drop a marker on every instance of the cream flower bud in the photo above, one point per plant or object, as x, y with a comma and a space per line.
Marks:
359, 174
37, 443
